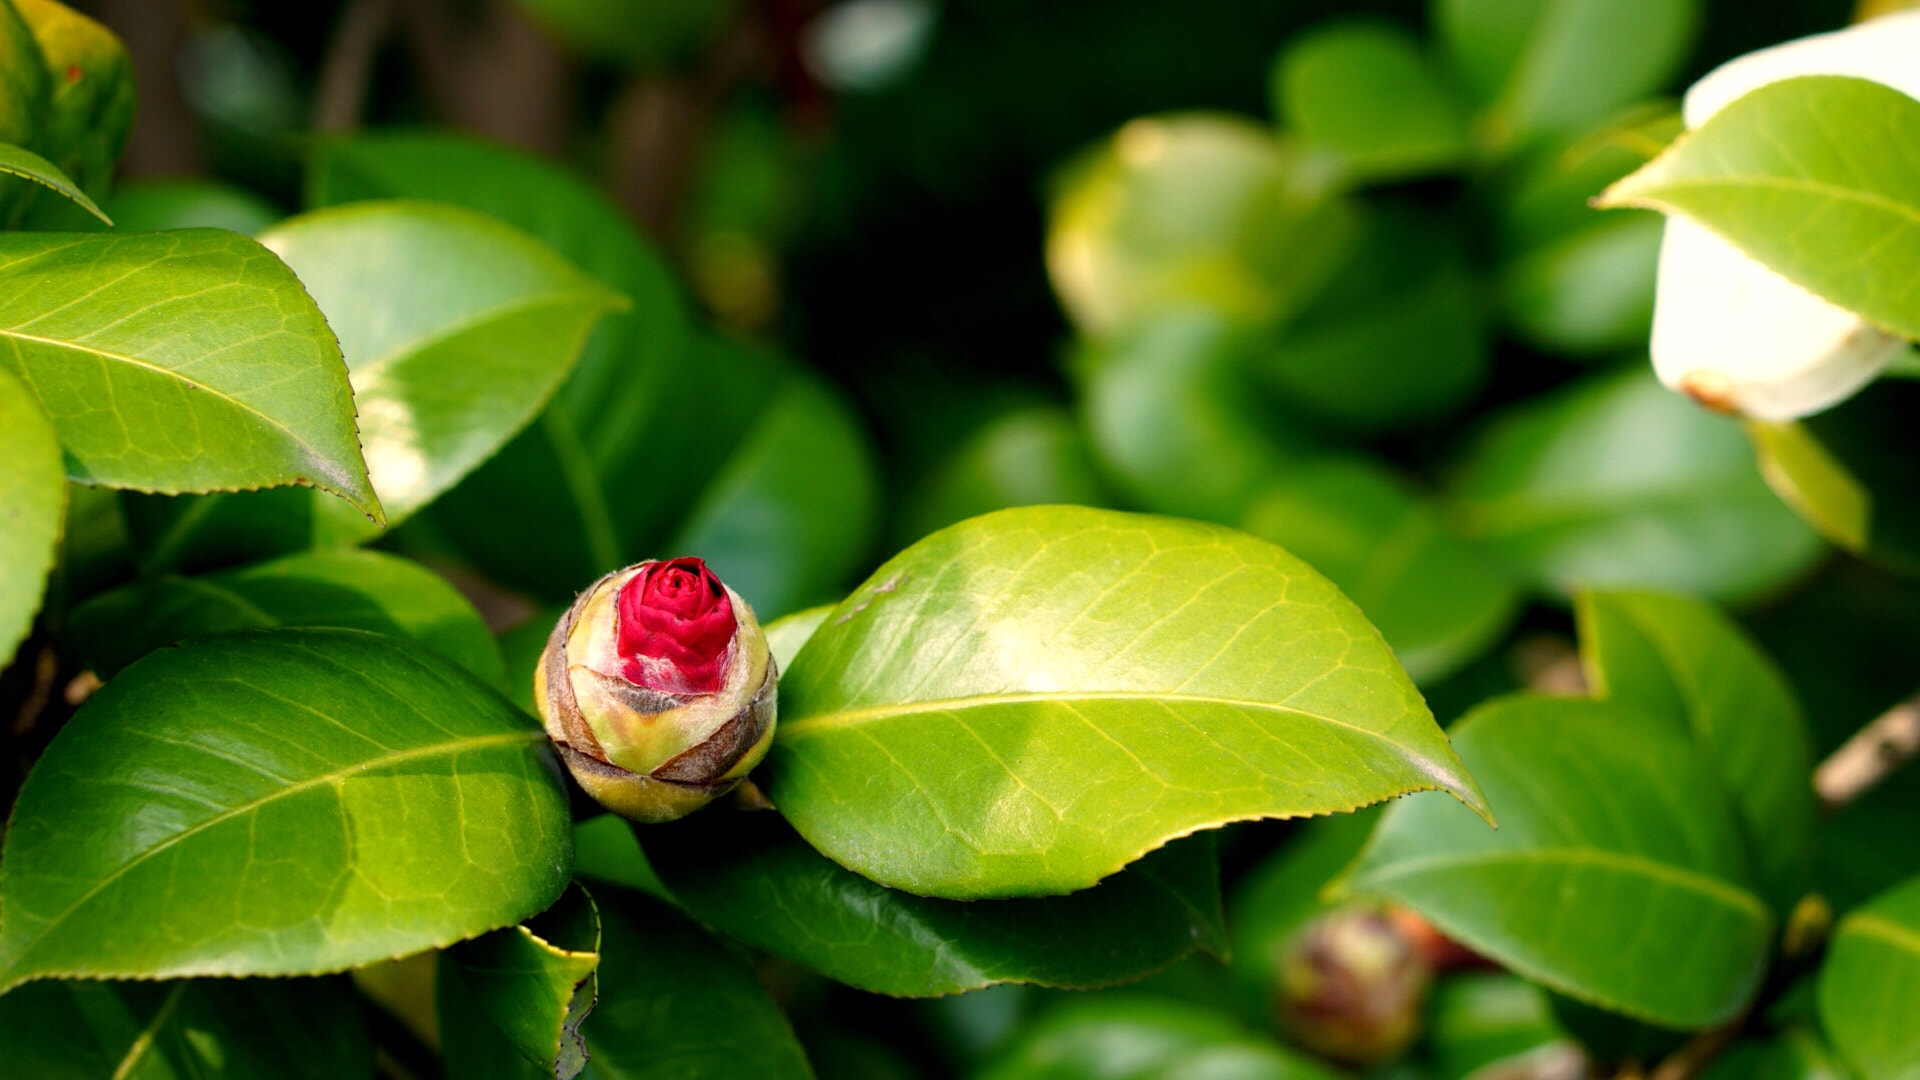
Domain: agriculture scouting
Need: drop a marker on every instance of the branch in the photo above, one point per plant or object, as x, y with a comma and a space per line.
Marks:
1874, 753
340, 99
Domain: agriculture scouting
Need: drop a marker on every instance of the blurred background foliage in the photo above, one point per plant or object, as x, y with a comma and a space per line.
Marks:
1321, 270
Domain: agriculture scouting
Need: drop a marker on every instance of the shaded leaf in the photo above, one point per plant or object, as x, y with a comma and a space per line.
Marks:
604, 849
1435, 600
675, 1003
1024, 703
33, 507
1286, 889
1142, 1038
1480, 1018
279, 802
1029, 457
1617, 874
90, 92
751, 877
360, 590
1618, 482
152, 205
204, 1029
1796, 1054
21, 162
1869, 984
1804, 175
1813, 481
534, 982
179, 361
1362, 90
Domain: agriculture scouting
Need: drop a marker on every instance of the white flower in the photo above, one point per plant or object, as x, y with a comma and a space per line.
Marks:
1730, 332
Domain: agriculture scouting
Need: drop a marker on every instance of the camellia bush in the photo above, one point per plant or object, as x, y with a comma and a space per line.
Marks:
1446, 608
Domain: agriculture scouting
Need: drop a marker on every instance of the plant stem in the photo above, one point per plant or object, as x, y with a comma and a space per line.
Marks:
1874, 753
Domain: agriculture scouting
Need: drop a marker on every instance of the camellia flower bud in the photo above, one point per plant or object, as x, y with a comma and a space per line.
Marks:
1352, 986
1731, 332
658, 689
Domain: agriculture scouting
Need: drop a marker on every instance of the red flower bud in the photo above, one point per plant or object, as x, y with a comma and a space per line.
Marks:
675, 627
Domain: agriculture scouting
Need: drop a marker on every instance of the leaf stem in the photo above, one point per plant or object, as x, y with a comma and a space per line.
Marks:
1874, 752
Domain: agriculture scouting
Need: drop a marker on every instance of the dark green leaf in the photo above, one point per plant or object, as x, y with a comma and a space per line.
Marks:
1869, 984
1141, 1038
534, 982
1029, 457
1555, 65
279, 802
361, 590
179, 361
1803, 175
1479, 1018
152, 205
1867, 847
21, 162
33, 505
1618, 482
1809, 478
1282, 892
1682, 659
604, 849
675, 1003
455, 327
1435, 600
1797, 1054
1362, 90
641, 32
205, 1029
1024, 703
749, 876
1617, 875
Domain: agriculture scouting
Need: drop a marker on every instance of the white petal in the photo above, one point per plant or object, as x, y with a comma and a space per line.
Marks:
1740, 338
1885, 50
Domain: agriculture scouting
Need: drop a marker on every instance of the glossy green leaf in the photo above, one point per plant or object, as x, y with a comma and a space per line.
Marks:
1481, 1018
1435, 600
787, 634
1191, 210
1618, 874
535, 982
1029, 457
199, 1029
1869, 983
1803, 175
1619, 482
21, 162
179, 361
674, 1002
1682, 659
1286, 889
1362, 90
361, 590
33, 506
749, 876
787, 521
151, 205
1165, 410
1024, 703
1809, 478
1142, 1038
1555, 65
1395, 337
604, 849
456, 329
279, 802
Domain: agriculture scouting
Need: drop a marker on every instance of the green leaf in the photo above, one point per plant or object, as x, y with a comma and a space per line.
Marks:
1361, 89
455, 328
1435, 600
749, 876
1142, 1038
1588, 292
360, 590
33, 506
787, 521
1281, 893
23, 80
1796, 1054
788, 633
279, 802
1024, 703
1869, 984
179, 361
1679, 658
152, 205
1479, 1018
91, 93
1556, 65
1618, 482
640, 32
1396, 337
1804, 175
1165, 409
21, 162
604, 849
534, 982
672, 996
1187, 211
1858, 450
1809, 479
231, 1029
1029, 457
1617, 875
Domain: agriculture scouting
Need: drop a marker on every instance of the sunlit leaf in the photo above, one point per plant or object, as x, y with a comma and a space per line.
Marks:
1869, 983
33, 504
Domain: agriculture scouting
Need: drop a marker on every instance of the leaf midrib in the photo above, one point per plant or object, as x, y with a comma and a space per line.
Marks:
7, 978
366, 375
1726, 893
1654, 192
1901, 937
